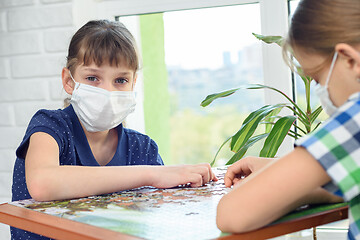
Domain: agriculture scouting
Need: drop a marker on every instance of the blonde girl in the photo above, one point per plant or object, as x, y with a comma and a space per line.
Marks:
325, 39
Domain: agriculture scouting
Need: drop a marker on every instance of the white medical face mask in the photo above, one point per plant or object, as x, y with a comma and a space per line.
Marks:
323, 93
99, 109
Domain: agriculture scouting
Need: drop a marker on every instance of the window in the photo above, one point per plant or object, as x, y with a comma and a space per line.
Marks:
224, 56
206, 51
298, 84
271, 18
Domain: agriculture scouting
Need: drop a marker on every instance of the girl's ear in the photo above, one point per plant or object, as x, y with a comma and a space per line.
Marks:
351, 55
68, 83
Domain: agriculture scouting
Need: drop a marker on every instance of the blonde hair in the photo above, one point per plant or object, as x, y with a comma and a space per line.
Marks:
317, 26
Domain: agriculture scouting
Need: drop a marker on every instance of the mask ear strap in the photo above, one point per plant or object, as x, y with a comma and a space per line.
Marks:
133, 84
76, 83
331, 68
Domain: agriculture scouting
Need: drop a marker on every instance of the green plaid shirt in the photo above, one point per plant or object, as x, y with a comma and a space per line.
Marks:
336, 145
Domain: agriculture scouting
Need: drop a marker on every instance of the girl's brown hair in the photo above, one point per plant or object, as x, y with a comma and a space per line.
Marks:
102, 41
318, 25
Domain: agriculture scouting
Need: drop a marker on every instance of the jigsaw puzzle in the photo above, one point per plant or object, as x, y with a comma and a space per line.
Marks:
146, 212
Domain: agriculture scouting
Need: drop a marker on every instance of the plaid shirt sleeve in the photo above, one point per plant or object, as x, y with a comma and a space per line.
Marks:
336, 145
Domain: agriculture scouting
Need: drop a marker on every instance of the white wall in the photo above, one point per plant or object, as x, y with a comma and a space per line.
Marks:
34, 35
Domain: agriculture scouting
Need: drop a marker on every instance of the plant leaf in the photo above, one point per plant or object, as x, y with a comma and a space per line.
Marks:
300, 112
307, 81
210, 98
294, 134
249, 126
315, 114
213, 161
244, 149
303, 119
270, 119
316, 126
270, 39
277, 136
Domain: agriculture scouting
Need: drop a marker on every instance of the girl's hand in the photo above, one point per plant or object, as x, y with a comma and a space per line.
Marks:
243, 168
173, 176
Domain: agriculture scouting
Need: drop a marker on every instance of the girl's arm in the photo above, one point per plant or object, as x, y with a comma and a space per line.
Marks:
273, 191
47, 180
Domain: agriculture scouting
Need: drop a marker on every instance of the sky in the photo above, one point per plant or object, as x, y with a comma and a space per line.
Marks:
198, 38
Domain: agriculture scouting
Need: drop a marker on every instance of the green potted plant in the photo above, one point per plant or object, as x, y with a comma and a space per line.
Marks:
276, 127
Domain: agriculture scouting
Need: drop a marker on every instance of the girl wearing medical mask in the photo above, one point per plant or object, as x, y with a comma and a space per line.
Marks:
84, 149
324, 167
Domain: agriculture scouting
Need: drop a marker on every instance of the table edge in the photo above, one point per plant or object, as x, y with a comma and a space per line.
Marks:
293, 225
54, 227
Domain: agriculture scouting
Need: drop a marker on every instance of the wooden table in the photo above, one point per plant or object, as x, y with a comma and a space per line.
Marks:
178, 213
60, 228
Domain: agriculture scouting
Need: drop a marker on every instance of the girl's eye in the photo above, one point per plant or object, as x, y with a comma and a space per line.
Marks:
121, 80
91, 78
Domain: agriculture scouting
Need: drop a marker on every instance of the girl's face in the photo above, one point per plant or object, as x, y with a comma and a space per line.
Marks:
111, 78
343, 81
